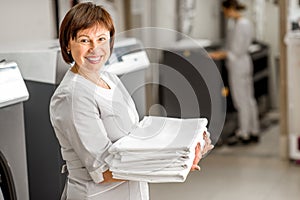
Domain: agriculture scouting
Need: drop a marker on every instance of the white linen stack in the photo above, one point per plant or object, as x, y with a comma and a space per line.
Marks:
159, 149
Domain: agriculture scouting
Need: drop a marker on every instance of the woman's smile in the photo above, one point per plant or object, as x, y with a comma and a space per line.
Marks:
94, 59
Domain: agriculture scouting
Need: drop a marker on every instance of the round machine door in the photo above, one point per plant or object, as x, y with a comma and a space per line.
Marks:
7, 186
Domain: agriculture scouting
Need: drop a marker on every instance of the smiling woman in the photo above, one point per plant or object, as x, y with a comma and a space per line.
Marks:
91, 109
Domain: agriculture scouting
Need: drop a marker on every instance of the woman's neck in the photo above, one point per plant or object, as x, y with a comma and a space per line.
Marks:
91, 76
237, 16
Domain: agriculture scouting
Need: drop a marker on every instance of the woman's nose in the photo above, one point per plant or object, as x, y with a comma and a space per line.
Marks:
98, 46
93, 46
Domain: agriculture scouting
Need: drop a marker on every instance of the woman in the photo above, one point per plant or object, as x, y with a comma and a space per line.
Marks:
91, 109
240, 69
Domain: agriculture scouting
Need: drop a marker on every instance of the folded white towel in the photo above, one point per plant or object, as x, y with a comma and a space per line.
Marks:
154, 176
150, 164
162, 133
159, 149
156, 155
149, 168
117, 162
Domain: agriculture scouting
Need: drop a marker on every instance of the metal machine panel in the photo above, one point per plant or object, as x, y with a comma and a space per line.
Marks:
38, 61
12, 138
12, 86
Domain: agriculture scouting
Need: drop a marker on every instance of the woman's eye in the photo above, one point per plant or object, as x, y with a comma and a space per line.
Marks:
102, 39
84, 40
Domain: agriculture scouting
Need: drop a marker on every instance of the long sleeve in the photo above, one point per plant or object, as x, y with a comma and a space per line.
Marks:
79, 127
87, 119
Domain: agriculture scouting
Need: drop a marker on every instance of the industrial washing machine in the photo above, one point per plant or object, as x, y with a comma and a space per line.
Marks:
42, 68
191, 84
130, 62
13, 163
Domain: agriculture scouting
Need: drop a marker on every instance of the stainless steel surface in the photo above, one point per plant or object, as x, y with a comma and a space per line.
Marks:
12, 86
38, 61
12, 138
12, 145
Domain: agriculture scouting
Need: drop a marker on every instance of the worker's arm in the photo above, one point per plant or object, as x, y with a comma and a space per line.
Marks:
218, 55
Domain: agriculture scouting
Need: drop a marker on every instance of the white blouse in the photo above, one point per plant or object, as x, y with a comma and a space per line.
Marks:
87, 119
239, 38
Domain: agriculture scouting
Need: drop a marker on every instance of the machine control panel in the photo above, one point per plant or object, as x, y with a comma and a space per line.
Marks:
12, 86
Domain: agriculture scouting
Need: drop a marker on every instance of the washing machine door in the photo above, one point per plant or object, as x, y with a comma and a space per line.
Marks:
1, 195
7, 186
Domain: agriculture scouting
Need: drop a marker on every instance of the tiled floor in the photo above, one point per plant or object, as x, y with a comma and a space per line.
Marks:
252, 172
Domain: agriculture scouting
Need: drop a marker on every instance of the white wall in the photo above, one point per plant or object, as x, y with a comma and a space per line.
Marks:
29, 20
115, 10
206, 24
271, 37
34, 20
164, 14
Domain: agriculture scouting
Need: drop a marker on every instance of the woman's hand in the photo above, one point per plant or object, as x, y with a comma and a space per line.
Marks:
208, 146
199, 154
108, 178
218, 55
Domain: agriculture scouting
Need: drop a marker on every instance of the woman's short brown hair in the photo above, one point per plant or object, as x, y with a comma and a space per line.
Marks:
80, 17
235, 4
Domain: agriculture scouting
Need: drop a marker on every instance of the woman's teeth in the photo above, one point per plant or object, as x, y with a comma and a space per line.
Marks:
94, 59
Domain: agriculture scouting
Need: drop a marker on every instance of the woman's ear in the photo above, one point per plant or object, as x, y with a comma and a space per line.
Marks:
68, 48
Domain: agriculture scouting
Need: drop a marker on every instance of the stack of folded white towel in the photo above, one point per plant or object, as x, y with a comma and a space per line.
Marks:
159, 149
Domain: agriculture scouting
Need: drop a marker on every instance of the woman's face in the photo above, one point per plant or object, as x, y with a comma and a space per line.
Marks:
228, 12
91, 48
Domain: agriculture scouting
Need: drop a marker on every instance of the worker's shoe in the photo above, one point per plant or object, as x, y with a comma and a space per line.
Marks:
254, 138
234, 140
